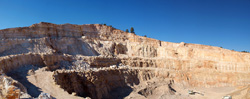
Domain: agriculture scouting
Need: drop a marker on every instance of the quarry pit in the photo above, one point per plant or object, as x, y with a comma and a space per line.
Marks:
96, 61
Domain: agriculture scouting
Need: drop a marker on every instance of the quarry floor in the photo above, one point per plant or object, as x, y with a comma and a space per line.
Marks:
42, 81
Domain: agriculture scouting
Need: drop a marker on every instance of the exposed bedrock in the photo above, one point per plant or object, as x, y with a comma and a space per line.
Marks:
197, 73
46, 45
88, 59
103, 83
12, 62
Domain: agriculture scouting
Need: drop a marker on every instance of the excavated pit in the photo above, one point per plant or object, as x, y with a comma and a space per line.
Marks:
98, 61
102, 84
21, 69
104, 77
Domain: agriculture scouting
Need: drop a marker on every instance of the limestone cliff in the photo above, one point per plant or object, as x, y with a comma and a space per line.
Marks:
68, 46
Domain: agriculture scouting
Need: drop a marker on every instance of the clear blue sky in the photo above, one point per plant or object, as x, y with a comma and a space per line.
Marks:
223, 23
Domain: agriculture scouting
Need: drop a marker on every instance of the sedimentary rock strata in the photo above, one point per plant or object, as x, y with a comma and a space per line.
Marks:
99, 61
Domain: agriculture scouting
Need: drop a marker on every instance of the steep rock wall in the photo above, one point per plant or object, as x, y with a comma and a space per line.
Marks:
101, 84
12, 62
201, 65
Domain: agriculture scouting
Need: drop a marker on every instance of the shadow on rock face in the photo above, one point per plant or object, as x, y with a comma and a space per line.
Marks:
16, 49
120, 92
104, 84
20, 74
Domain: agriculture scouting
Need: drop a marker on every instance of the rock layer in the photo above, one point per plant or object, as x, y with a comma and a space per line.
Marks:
95, 47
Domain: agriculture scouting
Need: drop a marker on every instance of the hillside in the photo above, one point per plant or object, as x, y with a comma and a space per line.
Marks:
99, 61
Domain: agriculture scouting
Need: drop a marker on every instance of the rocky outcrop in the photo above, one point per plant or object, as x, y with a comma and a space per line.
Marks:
13, 62
10, 88
44, 96
81, 56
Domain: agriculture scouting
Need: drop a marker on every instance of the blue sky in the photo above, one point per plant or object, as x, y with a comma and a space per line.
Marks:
223, 23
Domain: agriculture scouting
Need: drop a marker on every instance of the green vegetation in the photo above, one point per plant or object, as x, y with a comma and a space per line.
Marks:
127, 30
132, 30
245, 51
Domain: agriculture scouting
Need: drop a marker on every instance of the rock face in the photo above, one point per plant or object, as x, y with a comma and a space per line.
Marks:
102, 83
96, 60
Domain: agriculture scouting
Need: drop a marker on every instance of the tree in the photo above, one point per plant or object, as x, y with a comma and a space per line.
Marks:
245, 51
145, 35
127, 30
132, 30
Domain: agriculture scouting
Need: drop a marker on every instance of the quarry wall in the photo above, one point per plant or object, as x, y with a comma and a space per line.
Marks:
197, 65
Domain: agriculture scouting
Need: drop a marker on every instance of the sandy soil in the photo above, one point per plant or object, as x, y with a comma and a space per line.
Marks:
211, 93
159, 89
242, 93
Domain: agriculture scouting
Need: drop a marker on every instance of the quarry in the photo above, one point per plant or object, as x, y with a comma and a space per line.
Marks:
95, 61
